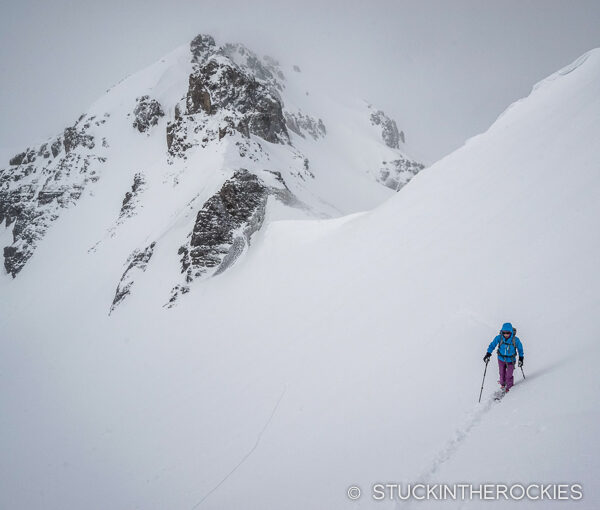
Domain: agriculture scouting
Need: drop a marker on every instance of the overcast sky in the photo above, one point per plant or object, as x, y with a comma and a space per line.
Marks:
444, 69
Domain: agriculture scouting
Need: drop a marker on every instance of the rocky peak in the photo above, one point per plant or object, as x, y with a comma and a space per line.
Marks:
231, 92
230, 89
202, 46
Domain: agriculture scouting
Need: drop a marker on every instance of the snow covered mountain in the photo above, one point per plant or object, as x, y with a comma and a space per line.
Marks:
337, 352
200, 141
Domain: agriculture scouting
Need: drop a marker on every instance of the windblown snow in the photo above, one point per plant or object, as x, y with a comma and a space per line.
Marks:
342, 347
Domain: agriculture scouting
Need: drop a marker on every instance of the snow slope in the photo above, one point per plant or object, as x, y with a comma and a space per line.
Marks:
337, 352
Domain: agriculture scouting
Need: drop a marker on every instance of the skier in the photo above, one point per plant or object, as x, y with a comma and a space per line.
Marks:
508, 345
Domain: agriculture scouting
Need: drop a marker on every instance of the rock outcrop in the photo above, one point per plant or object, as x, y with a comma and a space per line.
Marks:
224, 225
136, 263
397, 173
389, 130
305, 125
147, 113
131, 199
40, 182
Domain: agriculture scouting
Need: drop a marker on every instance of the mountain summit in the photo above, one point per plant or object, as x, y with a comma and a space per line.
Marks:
191, 156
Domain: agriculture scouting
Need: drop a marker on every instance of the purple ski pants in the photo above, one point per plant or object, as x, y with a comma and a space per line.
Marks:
506, 373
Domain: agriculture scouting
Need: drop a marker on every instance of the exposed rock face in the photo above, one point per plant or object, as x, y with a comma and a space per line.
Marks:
230, 89
136, 263
35, 189
223, 227
201, 47
147, 113
132, 197
198, 97
305, 125
221, 86
397, 173
239, 204
75, 137
389, 129
56, 146
177, 134
18, 159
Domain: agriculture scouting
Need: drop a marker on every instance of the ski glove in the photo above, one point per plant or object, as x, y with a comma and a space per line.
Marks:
487, 356
521, 362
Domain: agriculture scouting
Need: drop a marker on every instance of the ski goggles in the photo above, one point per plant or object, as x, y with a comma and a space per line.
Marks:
506, 333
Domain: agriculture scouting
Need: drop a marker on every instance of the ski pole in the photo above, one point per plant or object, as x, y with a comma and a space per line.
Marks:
523, 373
486, 364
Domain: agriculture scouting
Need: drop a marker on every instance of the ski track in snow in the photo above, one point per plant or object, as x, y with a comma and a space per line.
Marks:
460, 435
245, 457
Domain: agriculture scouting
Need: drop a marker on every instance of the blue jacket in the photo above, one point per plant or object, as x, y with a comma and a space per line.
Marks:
507, 348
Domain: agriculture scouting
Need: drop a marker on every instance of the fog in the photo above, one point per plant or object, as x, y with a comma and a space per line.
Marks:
443, 69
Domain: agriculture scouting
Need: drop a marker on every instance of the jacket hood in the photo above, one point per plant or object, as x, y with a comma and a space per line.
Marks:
507, 326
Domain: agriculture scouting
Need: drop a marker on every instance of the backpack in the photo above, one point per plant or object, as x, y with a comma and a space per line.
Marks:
504, 342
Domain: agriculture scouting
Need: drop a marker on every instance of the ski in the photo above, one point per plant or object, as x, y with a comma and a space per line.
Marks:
499, 394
